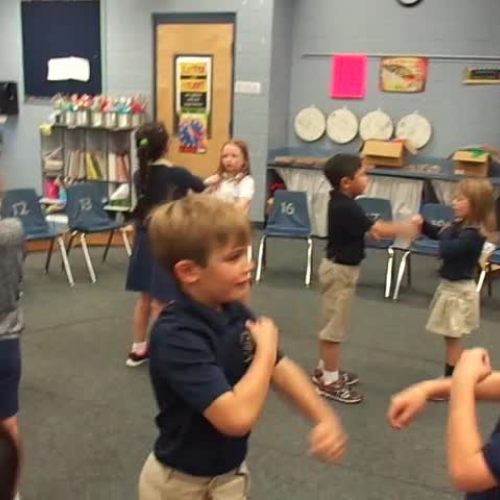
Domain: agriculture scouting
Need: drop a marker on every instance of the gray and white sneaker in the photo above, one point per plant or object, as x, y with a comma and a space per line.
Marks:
338, 391
348, 378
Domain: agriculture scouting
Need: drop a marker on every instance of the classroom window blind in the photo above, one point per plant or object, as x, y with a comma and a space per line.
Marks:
55, 29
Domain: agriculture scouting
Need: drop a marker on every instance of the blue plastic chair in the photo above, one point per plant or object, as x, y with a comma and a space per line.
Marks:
86, 215
380, 209
436, 214
289, 218
24, 204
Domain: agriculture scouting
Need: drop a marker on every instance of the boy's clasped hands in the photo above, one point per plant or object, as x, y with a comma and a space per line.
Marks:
414, 227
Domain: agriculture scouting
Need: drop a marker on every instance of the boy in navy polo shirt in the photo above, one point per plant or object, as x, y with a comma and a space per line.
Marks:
339, 271
212, 363
474, 467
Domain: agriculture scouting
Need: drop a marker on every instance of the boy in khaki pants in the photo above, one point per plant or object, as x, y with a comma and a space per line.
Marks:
212, 362
339, 271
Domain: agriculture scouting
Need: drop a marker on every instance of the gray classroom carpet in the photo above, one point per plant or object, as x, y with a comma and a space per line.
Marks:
88, 420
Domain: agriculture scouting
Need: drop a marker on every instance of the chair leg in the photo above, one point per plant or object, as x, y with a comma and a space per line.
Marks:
490, 283
88, 260
264, 259
49, 255
309, 261
394, 265
482, 277
126, 242
108, 244
64, 255
72, 237
258, 275
389, 273
408, 275
401, 272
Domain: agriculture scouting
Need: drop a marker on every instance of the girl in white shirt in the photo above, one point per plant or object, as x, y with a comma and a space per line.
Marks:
233, 181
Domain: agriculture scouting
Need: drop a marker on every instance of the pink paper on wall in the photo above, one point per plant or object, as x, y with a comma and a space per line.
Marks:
348, 79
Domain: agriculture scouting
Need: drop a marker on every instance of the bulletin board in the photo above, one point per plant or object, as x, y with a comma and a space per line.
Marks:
53, 29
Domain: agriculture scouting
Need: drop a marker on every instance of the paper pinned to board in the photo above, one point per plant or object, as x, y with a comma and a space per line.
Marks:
68, 68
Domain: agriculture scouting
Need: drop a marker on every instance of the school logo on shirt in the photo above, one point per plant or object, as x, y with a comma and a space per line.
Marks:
247, 346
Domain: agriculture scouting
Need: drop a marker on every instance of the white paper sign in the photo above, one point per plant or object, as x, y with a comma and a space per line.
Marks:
68, 68
58, 69
80, 69
241, 87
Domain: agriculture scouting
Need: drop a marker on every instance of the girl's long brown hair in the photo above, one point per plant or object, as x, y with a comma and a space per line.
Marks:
480, 194
243, 147
152, 144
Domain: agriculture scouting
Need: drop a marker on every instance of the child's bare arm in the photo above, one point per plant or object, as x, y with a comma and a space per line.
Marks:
472, 380
327, 440
407, 405
467, 462
210, 181
292, 382
382, 229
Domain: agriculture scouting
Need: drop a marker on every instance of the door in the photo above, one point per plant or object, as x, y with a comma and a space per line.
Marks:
182, 49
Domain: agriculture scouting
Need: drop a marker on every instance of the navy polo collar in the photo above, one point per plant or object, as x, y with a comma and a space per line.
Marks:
217, 318
338, 194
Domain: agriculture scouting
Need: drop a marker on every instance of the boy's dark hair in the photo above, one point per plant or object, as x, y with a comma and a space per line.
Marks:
339, 166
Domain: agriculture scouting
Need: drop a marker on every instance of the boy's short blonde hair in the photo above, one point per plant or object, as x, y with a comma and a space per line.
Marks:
193, 227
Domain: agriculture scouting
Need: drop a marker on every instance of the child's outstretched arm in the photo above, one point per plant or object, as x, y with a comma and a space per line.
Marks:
409, 403
471, 467
327, 439
383, 229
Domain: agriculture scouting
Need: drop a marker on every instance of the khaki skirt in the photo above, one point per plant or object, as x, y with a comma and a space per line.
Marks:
454, 309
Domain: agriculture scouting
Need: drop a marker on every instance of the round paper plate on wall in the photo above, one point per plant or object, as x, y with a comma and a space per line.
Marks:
310, 124
342, 126
416, 129
376, 125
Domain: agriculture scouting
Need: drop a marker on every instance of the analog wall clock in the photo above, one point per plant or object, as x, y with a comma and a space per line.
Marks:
409, 3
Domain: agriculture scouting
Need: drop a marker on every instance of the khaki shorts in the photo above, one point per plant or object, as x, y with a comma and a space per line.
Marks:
158, 482
337, 286
454, 309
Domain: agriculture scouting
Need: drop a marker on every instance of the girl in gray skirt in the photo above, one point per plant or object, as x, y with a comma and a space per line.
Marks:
455, 306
